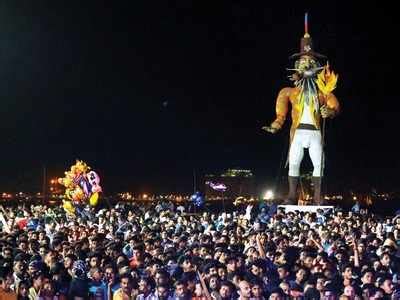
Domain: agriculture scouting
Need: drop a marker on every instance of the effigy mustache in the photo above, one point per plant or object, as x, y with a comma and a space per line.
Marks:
307, 71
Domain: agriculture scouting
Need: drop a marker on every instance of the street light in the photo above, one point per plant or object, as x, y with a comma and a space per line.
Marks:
268, 195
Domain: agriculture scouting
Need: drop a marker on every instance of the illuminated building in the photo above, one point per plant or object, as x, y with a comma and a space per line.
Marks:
238, 183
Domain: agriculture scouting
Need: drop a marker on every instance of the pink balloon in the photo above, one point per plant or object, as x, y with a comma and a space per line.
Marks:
94, 181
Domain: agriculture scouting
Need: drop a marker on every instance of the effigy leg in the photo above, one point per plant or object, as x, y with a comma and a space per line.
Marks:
291, 199
318, 200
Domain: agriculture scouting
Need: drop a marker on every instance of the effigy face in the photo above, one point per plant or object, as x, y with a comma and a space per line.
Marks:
307, 66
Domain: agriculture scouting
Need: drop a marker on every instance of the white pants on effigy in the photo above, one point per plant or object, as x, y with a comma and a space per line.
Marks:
304, 138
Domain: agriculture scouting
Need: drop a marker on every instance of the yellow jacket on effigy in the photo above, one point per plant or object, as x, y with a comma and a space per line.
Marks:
292, 95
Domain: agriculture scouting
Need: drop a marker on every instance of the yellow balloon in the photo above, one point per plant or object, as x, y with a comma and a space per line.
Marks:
94, 199
68, 207
68, 193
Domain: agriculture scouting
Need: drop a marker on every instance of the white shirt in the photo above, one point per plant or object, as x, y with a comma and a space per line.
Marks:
306, 117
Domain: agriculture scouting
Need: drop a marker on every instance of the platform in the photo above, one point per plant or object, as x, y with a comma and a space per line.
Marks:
310, 208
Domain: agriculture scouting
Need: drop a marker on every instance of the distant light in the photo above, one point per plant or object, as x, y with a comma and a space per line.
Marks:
145, 196
269, 195
354, 198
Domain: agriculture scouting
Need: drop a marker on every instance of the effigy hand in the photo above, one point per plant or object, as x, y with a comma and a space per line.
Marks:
269, 129
326, 112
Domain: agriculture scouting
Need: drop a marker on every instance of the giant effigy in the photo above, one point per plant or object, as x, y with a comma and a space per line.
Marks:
311, 102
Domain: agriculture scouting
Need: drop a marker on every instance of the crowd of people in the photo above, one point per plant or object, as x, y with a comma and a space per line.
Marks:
160, 252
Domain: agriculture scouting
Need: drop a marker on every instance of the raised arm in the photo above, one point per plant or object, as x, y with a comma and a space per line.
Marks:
260, 247
282, 103
356, 254
330, 106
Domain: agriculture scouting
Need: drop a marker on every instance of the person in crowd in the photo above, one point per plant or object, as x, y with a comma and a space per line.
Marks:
157, 252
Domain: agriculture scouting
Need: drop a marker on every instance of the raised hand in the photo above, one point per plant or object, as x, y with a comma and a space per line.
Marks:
326, 112
269, 129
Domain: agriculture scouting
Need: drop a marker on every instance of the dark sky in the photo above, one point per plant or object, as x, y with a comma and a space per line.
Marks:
145, 91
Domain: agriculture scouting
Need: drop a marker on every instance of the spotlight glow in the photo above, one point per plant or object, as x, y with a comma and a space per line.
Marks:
268, 195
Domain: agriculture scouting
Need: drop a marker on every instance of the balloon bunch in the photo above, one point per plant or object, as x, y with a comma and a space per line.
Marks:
81, 186
197, 199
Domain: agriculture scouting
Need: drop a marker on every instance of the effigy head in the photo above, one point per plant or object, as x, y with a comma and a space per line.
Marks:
307, 64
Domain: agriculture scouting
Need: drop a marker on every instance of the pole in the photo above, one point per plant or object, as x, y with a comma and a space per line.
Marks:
194, 190
322, 153
223, 201
44, 186
194, 181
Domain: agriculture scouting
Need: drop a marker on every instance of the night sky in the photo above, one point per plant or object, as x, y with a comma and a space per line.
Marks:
147, 91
